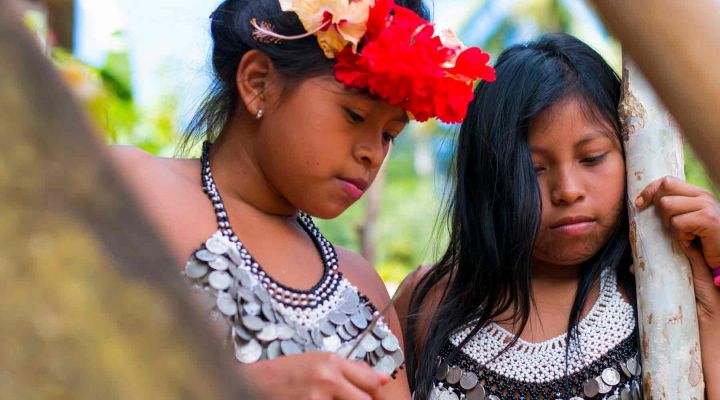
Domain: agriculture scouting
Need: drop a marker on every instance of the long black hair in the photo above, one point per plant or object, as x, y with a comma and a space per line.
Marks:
495, 208
233, 36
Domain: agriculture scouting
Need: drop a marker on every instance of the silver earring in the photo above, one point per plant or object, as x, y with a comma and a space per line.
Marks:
259, 113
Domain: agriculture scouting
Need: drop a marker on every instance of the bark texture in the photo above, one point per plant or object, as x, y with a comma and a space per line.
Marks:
670, 342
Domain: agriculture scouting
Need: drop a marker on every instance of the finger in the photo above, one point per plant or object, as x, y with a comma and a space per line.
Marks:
665, 186
671, 206
694, 223
364, 377
345, 390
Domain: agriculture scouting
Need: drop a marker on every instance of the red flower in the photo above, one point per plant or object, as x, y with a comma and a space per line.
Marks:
403, 61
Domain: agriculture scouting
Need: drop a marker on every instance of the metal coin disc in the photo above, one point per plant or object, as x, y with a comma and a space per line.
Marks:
247, 295
369, 343
219, 280
252, 309
242, 333
625, 394
614, 397
337, 317
262, 294
327, 328
359, 320
351, 297
385, 365
249, 353
351, 329
434, 394
398, 357
268, 312
476, 393
367, 312
576, 398
448, 395
610, 376
285, 332
442, 371
273, 350
219, 264
603, 388
631, 364
290, 347
380, 332
317, 337
252, 323
591, 388
216, 245
347, 308
625, 369
332, 343
204, 255
344, 335
454, 375
390, 343
468, 380
226, 304
195, 270
268, 333
493, 397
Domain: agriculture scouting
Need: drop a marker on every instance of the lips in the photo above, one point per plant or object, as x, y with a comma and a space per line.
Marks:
353, 187
573, 226
571, 221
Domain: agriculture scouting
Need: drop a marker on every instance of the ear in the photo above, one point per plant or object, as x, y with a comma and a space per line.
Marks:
254, 79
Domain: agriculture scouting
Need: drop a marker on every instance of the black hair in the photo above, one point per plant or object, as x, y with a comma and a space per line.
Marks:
495, 207
233, 36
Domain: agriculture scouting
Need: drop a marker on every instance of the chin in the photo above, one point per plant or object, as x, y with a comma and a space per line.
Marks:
326, 212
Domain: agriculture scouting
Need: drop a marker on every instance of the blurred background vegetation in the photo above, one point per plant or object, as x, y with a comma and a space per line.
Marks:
404, 232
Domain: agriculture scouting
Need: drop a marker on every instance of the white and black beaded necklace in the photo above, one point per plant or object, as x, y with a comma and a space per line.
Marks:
289, 296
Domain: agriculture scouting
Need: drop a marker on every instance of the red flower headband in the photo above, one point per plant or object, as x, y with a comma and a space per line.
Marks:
401, 58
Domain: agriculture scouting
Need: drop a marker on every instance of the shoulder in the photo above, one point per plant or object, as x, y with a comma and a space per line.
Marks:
428, 304
361, 274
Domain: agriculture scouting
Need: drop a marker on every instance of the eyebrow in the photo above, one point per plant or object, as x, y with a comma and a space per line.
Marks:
587, 138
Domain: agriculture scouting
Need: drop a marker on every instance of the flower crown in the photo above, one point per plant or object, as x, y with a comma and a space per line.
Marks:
392, 53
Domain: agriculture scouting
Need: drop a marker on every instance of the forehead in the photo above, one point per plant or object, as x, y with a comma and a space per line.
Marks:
569, 123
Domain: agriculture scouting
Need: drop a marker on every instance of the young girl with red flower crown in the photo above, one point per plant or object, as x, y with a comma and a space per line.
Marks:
534, 297
307, 100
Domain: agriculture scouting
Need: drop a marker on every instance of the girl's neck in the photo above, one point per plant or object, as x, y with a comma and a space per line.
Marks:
240, 177
554, 284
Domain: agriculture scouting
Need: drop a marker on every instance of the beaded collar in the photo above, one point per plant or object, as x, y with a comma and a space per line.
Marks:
602, 363
266, 319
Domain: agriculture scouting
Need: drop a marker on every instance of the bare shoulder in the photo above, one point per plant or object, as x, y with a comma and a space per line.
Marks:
430, 302
361, 274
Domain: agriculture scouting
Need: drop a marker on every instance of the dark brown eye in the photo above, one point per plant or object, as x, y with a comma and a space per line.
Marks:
594, 160
354, 117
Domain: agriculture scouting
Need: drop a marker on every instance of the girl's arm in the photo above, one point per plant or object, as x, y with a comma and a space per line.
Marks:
693, 216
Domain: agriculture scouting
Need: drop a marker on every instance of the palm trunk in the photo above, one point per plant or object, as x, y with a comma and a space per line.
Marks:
670, 344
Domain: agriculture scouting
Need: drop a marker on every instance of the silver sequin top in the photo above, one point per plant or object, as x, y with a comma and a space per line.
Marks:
266, 320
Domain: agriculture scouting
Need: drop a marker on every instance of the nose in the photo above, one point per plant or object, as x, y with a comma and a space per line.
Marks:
370, 150
567, 188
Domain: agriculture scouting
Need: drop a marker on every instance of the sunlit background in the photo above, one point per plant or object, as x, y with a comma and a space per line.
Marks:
142, 66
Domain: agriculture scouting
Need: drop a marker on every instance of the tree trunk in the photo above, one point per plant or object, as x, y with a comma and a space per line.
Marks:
677, 46
93, 307
368, 229
670, 343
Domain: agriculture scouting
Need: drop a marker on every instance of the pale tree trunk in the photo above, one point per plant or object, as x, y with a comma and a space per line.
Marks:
670, 343
368, 233
92, 307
